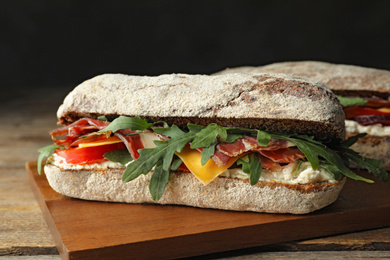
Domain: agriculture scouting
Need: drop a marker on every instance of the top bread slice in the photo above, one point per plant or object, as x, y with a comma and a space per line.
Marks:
273, 102
343, 79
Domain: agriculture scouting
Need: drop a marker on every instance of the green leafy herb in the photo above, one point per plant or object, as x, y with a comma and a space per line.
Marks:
208, 135
251, 165
121, 156
164, 151
333, 169
176, 163
315, 151
208, 152
371, 165
158, 181
352, 101
124, 122
353, 139
102, 118
263, 138
46, 152
232, 137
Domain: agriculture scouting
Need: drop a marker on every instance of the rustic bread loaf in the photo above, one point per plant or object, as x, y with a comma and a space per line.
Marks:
341, 79
273, 102
184, 189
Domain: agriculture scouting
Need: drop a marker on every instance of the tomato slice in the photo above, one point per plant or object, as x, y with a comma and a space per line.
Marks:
88, 155
377, 102
355, 111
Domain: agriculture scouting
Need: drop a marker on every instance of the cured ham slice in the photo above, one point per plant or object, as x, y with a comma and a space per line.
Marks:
269, 164
80, 127
221, 159
249, 143
74, 131
278, 151
284, 155
133, 142
88, 126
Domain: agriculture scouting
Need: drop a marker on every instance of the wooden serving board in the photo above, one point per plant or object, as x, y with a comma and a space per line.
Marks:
101, 230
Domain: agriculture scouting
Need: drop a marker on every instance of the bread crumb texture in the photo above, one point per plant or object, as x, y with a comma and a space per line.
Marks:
184, 189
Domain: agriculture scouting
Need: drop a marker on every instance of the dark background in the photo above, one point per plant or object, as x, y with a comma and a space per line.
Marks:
61, 43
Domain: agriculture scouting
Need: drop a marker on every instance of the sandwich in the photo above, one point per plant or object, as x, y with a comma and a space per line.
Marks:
363, 92
244, 142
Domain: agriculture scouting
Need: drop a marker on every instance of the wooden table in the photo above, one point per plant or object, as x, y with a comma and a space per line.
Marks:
29, 113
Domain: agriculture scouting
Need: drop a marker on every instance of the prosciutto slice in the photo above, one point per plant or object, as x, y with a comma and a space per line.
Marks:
74, 131
269, 164
89, 126
249, 143
133, 142
80, 127
278, 151
283, 155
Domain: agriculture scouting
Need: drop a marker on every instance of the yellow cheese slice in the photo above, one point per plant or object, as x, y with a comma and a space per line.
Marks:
110, 140
384, 109
205, 173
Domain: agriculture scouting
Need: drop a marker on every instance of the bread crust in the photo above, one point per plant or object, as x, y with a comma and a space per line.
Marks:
184, 189
342, 79
272, 102
375, 147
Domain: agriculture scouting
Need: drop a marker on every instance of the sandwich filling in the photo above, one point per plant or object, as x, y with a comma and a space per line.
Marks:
366, 115
139, 146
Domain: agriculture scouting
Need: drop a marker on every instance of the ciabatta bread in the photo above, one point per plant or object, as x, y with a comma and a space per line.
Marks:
340, 78
184, 189
273, 102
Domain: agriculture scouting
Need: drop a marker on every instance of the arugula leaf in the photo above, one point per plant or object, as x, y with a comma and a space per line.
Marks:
263, 138
102, 118
208, 135
333, 169
164, 150
208, 152
353, 139
46, 152
194, 128
121, 156
315, 150
352, 101
158, 181
252, 166
124, 122
176, 163
232, 137
311, 151
371, 165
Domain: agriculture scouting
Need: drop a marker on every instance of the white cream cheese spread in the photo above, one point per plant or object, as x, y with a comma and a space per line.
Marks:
288, 174
377, 129
61, 163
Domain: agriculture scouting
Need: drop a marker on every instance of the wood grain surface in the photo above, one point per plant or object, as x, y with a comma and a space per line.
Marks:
27, 117
101, 230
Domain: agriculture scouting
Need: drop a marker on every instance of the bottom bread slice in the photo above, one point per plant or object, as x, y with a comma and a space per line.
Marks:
184, 189
371, 146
